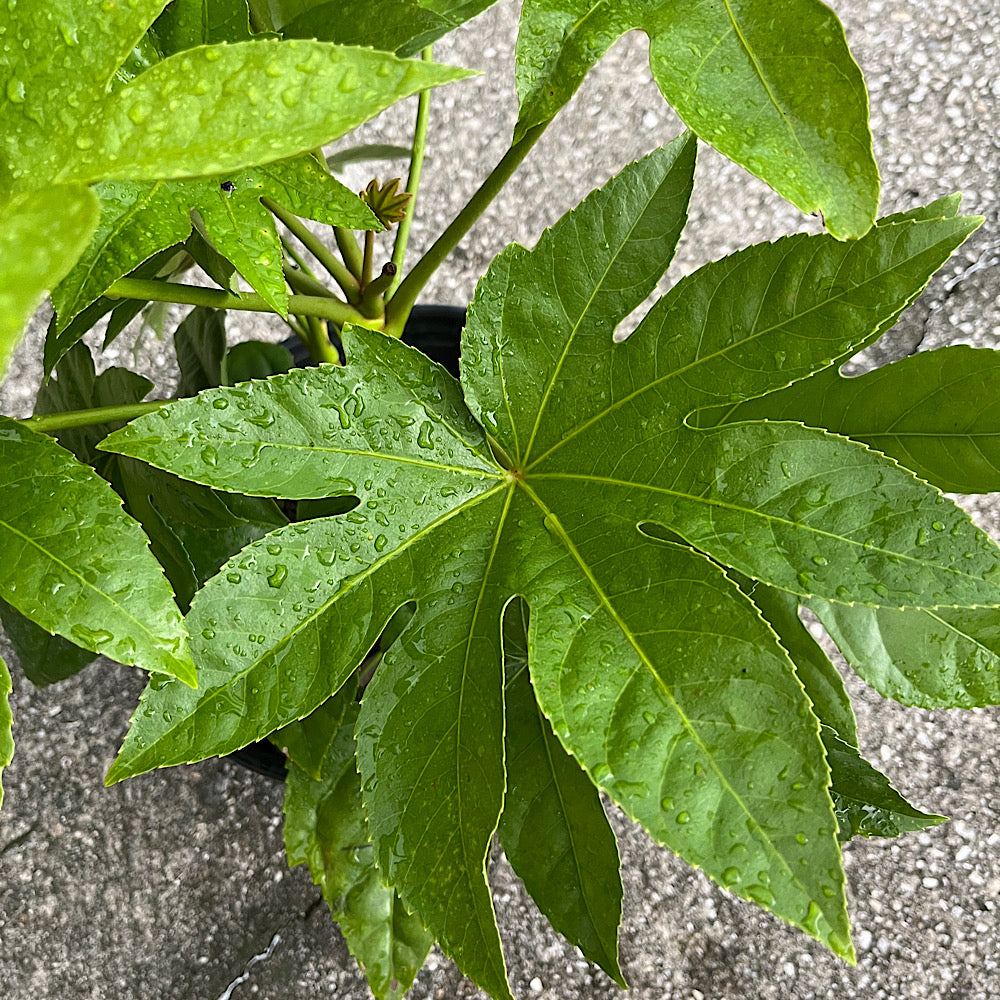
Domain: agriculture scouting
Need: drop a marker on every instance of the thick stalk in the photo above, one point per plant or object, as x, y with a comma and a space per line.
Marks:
413, 179
48, 422
318, 342
195, 295
317, 248
406, 295
348, 245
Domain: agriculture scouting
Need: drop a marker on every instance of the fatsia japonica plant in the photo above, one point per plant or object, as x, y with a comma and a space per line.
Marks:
486, 606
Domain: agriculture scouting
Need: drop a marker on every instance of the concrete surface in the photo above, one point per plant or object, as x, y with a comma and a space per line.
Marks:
173, 886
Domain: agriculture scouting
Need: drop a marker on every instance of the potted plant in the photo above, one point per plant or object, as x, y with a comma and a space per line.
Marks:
467, 607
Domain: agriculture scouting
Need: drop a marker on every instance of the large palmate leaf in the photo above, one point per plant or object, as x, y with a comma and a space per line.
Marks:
772, 86
76, 564
555, 480
6, 720
326, 827
139, 219
400, 26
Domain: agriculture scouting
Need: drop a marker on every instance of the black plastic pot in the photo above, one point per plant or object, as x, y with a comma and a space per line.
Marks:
435, 330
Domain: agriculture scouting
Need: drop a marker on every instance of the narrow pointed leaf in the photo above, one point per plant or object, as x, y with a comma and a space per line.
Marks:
432, 762
722, 763
248, 102
937, 413
865, 803
555, 833
933, 658
326, 827
41, 236
77, 565
821, 679
44, 658
6, 722
773, 88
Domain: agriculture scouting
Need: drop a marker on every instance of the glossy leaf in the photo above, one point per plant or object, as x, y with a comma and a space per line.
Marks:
931, 657
654, 670
326, 827
44, 658
250, 102
937, 413
400, 26
865, 803
77, 565
41, 236
187, 23
6, 722
774, 88
140, 219
554, 830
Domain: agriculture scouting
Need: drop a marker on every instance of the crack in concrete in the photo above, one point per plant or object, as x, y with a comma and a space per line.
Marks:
227, 993
19, 839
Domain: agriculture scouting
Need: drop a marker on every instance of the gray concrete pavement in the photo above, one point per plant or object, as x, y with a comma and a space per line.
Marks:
173, 886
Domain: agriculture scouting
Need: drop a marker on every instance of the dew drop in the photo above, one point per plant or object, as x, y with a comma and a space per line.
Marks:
380, 543
278, 576
220, 404
209, 455
683, 818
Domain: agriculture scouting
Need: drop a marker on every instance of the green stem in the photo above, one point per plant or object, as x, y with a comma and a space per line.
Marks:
413, 179
348, 245
304, 283
373, 301
318, 342
195, 295
317, 248
368, 264
47, 422
406, 295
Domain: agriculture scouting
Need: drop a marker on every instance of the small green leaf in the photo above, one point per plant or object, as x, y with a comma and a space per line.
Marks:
937, 413
44, 658
865, 803
773, 88
326, 827
250, 102
41, 236
931, 657
6, 722
554, 830
187, 23
76, 564
255, 359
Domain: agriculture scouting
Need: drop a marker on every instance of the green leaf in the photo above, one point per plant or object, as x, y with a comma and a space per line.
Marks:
44, 658
75, 385
937, 413
77, 565
6, 722
255, 359
59, 59
400, 26
326, 827
250, 102
820, 678
931, 657
307, 742
200, 345
553, 827
865, 803
41, 236
139, 219
187, 23
652, 667
773, 88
